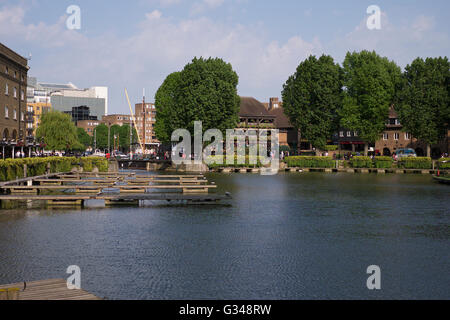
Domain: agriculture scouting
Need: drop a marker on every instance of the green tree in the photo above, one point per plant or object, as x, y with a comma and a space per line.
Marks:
165, 107
205, 90
122, 134
370, 88
312, 98
58, 132
84, 138
424, 108
101, 136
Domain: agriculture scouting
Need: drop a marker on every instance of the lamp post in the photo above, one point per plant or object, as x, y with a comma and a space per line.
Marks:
95, 139
109, 137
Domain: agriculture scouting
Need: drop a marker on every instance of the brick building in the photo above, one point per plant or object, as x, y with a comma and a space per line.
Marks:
13, 86
148, 137
118, 119
394, 138
89, 125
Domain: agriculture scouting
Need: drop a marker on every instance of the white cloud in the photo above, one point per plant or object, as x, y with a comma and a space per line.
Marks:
160, 47
203, 5
401, 42
156, 14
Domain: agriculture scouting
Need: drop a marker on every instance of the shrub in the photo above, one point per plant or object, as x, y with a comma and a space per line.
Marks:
330, 148
415, 163
383, 162
239, 162
12, 169
310, 162
444, 163
361, 162
101, 163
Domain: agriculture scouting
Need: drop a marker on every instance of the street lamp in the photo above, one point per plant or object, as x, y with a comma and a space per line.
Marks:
109, 137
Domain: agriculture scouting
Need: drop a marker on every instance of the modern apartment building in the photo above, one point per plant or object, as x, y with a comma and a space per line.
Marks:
95, 98
36, 111
64, 97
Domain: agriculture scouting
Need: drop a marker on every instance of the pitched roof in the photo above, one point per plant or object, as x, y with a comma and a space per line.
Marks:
281, 120
392, 112
250, 107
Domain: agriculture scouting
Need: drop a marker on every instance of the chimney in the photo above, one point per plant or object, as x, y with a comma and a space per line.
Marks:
274, 103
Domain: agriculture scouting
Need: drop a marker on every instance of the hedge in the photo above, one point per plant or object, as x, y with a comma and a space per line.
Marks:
383, 162
361, 162
239, 162
444, 163
330, 148
415, 163
310, 162
12, 169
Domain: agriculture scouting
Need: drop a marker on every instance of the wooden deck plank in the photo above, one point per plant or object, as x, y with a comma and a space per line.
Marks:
52, 289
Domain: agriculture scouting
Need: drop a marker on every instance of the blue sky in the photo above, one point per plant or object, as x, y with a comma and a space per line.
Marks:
137, 43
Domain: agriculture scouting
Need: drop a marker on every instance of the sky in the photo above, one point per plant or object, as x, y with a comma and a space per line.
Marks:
135, 44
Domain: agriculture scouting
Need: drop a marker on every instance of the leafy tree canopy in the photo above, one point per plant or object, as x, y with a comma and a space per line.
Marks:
424, 107
84, 138
370, 88
312, 98
205, 90
58, 132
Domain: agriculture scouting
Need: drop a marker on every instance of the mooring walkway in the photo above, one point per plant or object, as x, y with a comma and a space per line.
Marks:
55, 289
115, 188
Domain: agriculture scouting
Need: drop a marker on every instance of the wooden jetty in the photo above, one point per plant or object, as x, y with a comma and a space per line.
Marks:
55, 289
75, 189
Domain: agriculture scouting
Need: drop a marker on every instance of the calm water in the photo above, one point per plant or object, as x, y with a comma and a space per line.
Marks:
290, 236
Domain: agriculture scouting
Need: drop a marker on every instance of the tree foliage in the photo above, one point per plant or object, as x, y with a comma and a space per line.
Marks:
84, 138
58, 132
119, 134
166, 107
370, 88
312, 99
205, 90
424, 107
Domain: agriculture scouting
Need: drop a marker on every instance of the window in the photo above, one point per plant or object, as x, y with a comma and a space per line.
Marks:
397, 122
355, 133
6, 112
341, 134
396, 136
7, 89
407, 136
15, 114
385, 136
15, 92
22, 95
6, 70
22, 116
349, 134
15, 74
